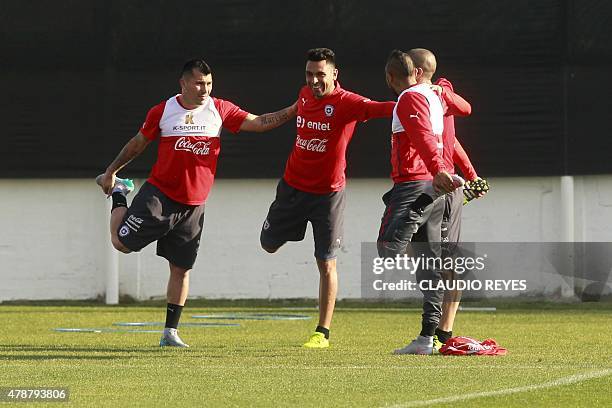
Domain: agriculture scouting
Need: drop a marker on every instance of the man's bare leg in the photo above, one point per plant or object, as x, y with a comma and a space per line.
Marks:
118, 192
178, 285
178, 288
449, 310
117, 216
450, 304
328, 290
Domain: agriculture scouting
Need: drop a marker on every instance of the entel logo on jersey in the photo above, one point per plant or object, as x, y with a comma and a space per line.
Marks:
301, 123
199, 148
329, 110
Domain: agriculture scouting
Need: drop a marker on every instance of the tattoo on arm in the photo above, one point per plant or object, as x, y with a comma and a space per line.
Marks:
275, 118
267, 121
272, 120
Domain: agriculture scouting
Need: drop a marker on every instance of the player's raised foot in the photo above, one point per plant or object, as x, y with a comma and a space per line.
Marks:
170, 338
420, 345
124, 186
437, 344
317, 341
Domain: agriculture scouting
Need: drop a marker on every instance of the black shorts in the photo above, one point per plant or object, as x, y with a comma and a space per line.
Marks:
292, 209
400, 225
176, 227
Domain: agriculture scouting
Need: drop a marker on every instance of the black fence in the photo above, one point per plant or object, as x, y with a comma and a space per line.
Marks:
79, 76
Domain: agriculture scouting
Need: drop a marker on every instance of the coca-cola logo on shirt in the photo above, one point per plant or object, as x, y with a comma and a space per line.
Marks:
311, 145
200, 148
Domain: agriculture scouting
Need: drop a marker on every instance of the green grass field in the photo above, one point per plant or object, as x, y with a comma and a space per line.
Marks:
559, 355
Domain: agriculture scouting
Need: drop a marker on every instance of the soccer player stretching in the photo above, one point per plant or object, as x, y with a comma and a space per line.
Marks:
312, 188
416, 155
454, 154
169, 207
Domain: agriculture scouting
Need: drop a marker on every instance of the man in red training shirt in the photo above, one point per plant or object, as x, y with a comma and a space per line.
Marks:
169, 207
453, 154
312, 188
420, 177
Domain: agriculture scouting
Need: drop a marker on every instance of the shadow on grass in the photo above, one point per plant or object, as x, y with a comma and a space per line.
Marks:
344, 305
44, 352
36, 357
73, 349
210, 352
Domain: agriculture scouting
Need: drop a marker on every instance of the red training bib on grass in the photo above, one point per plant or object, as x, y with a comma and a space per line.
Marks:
463, 346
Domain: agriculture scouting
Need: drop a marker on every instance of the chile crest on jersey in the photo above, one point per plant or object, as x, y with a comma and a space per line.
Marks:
314, 122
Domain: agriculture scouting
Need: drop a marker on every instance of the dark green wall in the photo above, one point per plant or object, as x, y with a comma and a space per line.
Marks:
79, 76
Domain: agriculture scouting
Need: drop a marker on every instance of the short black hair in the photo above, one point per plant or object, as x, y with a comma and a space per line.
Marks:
321, 54
198, 64
399, 63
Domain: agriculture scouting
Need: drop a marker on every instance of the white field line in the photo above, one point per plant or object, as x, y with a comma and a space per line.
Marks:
572, 379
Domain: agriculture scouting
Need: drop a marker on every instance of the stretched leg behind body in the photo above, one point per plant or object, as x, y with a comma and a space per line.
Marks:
121, 188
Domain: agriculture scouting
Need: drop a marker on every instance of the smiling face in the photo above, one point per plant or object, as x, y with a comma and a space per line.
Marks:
321, 77
195, 87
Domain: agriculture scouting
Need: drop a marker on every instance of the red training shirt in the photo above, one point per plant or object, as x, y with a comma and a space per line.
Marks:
324, 129
189, 145
454, 105
416, 143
